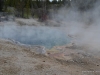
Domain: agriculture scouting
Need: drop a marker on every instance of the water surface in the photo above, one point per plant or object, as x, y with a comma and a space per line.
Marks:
31, 35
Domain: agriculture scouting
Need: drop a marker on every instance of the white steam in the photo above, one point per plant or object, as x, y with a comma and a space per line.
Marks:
34, 35
83, 26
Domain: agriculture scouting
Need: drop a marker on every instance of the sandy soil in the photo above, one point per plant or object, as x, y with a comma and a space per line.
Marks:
21, 60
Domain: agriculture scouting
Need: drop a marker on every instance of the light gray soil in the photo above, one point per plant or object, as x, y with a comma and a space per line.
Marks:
20, 60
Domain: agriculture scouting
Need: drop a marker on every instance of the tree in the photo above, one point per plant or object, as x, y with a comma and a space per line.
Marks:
27, 7
83, 5
54, 2
1, 5
66, 3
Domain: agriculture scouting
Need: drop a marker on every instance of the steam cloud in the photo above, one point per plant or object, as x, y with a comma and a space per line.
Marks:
32, 35
82, 26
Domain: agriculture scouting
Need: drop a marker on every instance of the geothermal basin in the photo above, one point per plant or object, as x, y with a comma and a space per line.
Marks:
35, 35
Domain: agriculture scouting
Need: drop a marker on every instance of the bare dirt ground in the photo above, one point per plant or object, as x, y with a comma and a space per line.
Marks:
20, 60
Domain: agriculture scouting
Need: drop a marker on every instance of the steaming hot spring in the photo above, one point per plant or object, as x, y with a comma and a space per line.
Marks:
34, 35
44, 50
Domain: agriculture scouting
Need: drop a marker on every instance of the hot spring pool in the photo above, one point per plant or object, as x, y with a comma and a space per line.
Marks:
31, 35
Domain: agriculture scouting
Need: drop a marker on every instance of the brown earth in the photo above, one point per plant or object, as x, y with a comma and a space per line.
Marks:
21, 60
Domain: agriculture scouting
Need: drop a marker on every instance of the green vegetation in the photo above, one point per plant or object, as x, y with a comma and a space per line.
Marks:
27, 8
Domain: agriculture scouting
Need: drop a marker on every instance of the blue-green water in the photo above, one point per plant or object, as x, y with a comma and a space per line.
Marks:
31, 35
